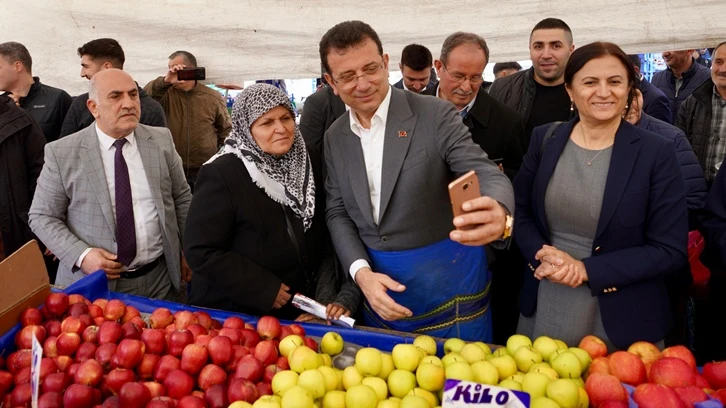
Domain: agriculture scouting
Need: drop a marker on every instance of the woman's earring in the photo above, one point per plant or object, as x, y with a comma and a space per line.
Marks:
572, 106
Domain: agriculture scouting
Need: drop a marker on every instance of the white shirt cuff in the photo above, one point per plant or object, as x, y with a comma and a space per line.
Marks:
355, 266
83, 255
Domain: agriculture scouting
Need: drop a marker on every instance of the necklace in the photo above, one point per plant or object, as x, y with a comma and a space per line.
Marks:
589, 162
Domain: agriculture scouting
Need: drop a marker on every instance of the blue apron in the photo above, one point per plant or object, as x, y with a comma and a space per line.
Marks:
447, 289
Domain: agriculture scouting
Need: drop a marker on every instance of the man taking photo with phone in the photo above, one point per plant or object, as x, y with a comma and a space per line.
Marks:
197, 116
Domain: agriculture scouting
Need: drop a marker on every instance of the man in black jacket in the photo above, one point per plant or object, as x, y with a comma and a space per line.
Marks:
681, 78
538, 93
21, 159
702, 116
95, 56
45, 104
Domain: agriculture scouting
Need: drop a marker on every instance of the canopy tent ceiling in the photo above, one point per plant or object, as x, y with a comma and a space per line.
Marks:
239, 40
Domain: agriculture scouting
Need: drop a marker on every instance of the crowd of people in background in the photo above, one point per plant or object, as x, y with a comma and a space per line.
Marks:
594, 185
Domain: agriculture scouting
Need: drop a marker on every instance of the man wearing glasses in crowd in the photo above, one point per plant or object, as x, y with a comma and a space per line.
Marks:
389, 161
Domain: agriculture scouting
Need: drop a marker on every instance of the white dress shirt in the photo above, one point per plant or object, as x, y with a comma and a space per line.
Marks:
149, 245
371, 140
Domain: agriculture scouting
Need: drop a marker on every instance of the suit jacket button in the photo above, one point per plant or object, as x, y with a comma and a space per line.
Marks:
384, 239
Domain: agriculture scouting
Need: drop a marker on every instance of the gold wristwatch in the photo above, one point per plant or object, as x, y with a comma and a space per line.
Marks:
508, 226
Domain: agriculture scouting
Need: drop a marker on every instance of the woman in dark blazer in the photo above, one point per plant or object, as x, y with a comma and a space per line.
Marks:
601, 214
253, 235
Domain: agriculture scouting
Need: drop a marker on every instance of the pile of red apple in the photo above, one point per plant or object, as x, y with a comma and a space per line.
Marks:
103, 354
661, 379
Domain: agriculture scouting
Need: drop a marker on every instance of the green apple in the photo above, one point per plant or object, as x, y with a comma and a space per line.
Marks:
578, 381
290, 343
545, 345
369, 361
302, 358
414, 401
584, 401
283, 381
405, 357
431, 360
543, 402
297, 397
484, 347
351, 377
542, 364
526, 357
511, 384
473, 353
331, 377
314, 382
501, 351
556, 354
583, 356
548, 371
331, 343
339, 373
485, 373
565, 393
567, 365
505, 365
514, 342
390, 403
561, 344
266, 401
453, 345
518, 377
361, 396
452, 358
386, 366
535, 384
400, 382
334, 399
459, 371
430, 377
427, 344
378, 385
427, 395
240, 404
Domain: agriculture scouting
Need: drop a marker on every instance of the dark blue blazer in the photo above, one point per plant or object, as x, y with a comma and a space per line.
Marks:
641, 236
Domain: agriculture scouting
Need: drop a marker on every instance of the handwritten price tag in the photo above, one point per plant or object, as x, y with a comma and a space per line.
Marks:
459, 394
37, 355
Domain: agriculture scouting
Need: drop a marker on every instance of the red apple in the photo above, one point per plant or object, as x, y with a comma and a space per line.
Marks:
31, 317
155, 388
270, 372
161, 402
681, 352
67, 344
672, 372
191, 401
134, 395
715, 374
6, 382
166, 364
264, 388
594, 346
613, 404
95, 311
202, 340
111, 402
282, 363
90, 373
234, 322
184, 318
19, 359
178, 340
24, 338
50, 400
85, 351
211, 375
105, 353
21, 395
250, 338
77, 309
78, 396
268, 327
56, 304
98, 321
56, 382
154, 339
220, 350
110, 332
194, 358
297, 329
627, 367
249, 368
131, 312
242, 390
117, 377
145, 369
720, 395
216, 324
312, 344
216, 396
266, 352
238, 353
139, 322
702, 383
285, 331
656, 396
131, 331
49, 347
604, 387
204, 319
178, 384
161, 318
233, 334
130, 352
197, 329
250, 326
72, 369
72, 325
22, 376
64, 363
90, 334
690, 395
52, 328
76, 298
114, 310
87, 320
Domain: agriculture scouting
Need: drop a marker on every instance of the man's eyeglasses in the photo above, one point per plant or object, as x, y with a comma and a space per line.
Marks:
461, 78
350, 79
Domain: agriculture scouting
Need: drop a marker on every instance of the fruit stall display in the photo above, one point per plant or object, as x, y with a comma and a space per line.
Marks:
124, 351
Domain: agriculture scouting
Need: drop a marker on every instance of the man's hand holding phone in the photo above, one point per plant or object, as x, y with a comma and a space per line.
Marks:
478, 220
171, 75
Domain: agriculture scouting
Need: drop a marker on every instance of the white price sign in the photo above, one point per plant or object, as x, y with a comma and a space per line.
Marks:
37, 355
460, 394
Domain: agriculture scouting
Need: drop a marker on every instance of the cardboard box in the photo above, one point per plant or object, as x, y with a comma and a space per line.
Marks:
23, 283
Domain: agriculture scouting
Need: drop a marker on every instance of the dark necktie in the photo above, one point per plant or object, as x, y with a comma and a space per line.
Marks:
125, 226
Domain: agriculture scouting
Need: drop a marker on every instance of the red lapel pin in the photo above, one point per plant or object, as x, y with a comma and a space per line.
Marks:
402, 133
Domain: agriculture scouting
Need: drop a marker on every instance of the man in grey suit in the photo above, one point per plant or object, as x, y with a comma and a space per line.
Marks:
113, 196
389, 161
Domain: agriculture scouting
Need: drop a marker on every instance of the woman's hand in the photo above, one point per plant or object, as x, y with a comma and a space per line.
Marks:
558, 266
306, 317
282, 297
335, 310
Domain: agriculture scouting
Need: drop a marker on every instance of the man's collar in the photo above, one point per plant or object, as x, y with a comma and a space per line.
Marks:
468, 105
381, 112
107, 141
